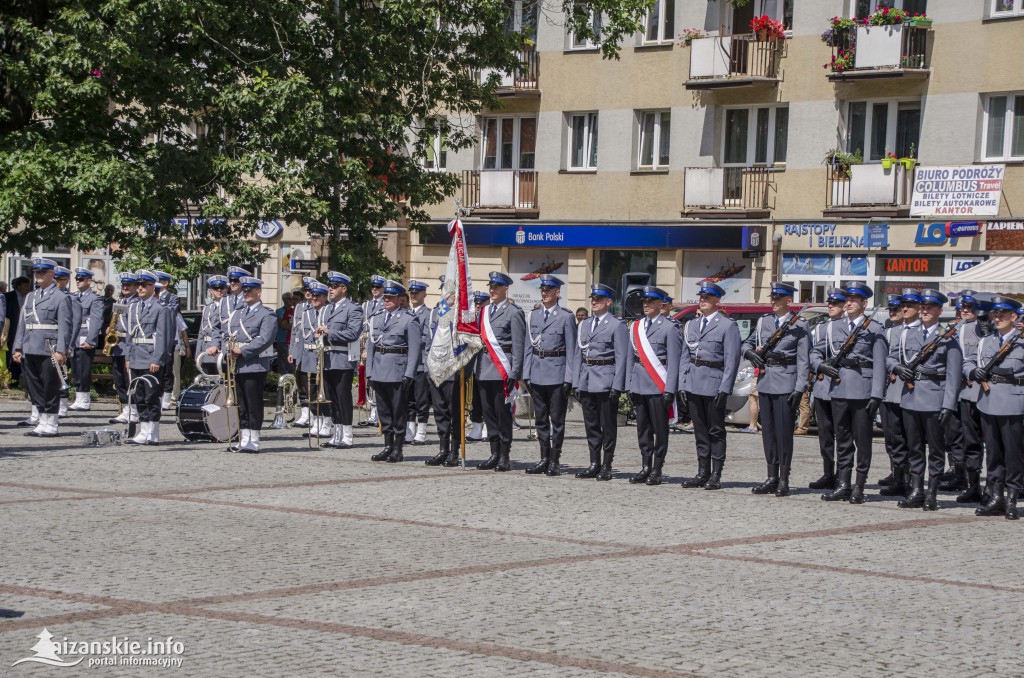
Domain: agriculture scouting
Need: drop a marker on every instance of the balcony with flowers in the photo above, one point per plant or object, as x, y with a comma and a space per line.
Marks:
741, 60
889, 43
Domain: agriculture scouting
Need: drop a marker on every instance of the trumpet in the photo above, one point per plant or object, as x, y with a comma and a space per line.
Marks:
287, 398
110, 339
62, 368
321, 394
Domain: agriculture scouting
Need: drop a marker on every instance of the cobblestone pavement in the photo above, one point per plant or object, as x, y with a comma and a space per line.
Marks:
320, 562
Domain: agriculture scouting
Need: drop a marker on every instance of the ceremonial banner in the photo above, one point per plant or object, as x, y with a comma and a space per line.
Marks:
456, 334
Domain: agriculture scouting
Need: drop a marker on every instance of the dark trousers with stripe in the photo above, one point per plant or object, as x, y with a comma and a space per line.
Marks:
853, 434
923, 430
249, 386
967, 447
600, 419
497, 414
895, 434
708, 426
419, 399
651, 426
1004, 437
339, 390
549, 406
119, 372
392, 407
42, 382
81, 367
447, 411
826, 432
148, 387
777, 424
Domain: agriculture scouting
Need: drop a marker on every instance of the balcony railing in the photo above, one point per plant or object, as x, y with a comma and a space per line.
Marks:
500, 190
880, 52
524, 78
744, 190
734, 61
868, 188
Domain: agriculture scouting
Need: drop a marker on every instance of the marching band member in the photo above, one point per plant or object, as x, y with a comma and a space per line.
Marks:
62, 276
599, 374
371, 308
445, 400
250, 334
707, 373
895, 484
88, 335
341, 324
503, 330
119, 355
419, 397
821, 391
45, 333
651, 382
967, 448
303, 354
548, 361
209, 339
392, 356
235, 298
167, 298
150, 341
298, 327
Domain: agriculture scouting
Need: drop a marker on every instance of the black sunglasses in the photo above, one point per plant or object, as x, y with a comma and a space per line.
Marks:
334, 285
80, 278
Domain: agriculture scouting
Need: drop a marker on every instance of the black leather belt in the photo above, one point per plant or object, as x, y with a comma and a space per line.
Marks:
507, 349
855, 363
708, 363
779, 362
999, 379
599, 361
930, 376
636, 359
559, 353
403, 350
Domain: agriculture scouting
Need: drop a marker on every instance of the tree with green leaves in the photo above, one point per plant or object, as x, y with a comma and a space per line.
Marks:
173, 127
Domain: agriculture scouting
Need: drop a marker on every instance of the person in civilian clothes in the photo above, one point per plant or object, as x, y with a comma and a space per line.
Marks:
478, 431
707, 372
15, 299
303, 354
419, 397
856, 386
781, 384
548, 357
652, 400
250, 332
392, 356
149, 340
119, 354
599, 374
1001, 403
821, 392
965, 427
62, 277
209, 338
496, 384
340, 328
371, 308
44, 335
892, 422
87, 338
167, 298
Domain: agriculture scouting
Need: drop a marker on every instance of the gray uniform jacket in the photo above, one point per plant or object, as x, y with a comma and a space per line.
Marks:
509, 325
893, 389
608, 341
254, 328
788, 362
230, 303
303, 345
862, 374
45, 315
556, 334
150, 337
969, 336
820, 389
385, 361
209, 331
947, 360
718, 343
121, 349
344, 320
169, 300
76, 317
91, 325
422, 315
663, 335
1002, 400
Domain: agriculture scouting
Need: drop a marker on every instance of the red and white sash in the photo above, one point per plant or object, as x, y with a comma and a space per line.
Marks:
498, 356
648, 358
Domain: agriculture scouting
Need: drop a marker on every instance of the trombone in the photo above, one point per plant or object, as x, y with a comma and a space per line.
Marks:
321, 395
229, 379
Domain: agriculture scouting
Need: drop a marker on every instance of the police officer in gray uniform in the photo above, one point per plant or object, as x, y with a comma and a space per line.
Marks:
88, 337
303, 353
1001, 403
929, 397
446, 403
856, 386
299, 333
599, 374
371, 308
651, 382
496, 381
392, 355
45, 333
780, 384
548, 357
150, 340
894, 485
209, 338
250, 333
340, 328
62, 276
965, 428
820, 390
119, 354
707, 372
167, 298
235, 298
419, 396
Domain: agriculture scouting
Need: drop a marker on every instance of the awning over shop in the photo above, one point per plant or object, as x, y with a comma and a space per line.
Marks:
1003, 274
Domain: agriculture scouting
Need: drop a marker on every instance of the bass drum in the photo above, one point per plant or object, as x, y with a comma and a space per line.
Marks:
202, 416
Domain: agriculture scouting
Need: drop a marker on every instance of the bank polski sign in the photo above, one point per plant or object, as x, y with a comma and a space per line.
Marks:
969, 191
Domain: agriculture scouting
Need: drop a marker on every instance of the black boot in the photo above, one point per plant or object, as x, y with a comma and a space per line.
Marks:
606, 468
1011, 505
545, 457
972, 495
898, 486
504, 449
931, 500
441, 456
916, 497
783, 489
769, 486
655, 477
703, 473
554, 467
958, 482
388, 448
396, 453
453, 457
594, 468
889, 478
857, 493
645, 472
715, 479
995, 505
492, 460
828, 479
949, 474
842, 489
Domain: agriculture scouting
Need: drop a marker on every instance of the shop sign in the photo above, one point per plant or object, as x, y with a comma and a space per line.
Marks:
823, 236
876, 235
939, 233
304, 264
961, 264
268, 229
1004, 235
971, 190
887, 266
606, 236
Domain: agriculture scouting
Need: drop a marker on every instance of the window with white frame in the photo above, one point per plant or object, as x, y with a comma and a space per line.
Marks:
522, 18
1007, 8
582, 151
1003, 132
862, 8
737, 19
576, 42
654, 137
508, 142
660, 22
876, 128
436, 148
757, 135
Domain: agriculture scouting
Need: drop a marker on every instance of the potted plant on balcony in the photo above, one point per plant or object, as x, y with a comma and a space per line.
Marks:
887, 16
840, 162
838, 31
909, 161
920, 21
842, 60
689, 35
767, 29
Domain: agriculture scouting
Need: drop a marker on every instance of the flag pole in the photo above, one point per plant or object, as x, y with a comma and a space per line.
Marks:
462, 373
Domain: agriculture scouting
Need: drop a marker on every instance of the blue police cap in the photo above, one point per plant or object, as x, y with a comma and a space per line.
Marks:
237, 273
911, 296
217, 281
598, 290
41, 264
836, 294
1001, 303
82, 272
145, 275
781, 289
930, 296
393, 288
858, 288
711, 288
479, 296
248, 282
417, 286
894, 300
498, 278
338, 277
317, 287
966, 297
655, 293
163, 276
377, 281
61, 272
128, 278
548, 280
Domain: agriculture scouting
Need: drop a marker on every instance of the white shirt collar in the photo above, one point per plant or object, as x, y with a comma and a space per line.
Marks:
709, 318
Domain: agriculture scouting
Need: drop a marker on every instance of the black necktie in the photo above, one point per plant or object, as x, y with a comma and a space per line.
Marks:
647, 324
852, 325
703, 324
778, 322
924, 335
493, 309
387, 318
593, 326
546, 314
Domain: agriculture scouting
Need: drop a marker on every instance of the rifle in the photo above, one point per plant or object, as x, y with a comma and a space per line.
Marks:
776, 337
845, 349
994, 362
926, 351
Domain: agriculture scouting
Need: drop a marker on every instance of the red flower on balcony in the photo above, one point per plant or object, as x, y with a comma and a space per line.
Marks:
765, 27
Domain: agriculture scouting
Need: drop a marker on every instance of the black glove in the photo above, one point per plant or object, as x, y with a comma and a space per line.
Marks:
529, 385
566, 389
509, 385
668, 398
828, 370
407, 383
720, 399
978, 375
755, 360
613, 395
873, 406
794, 399
944, 415
682, 398
903, 372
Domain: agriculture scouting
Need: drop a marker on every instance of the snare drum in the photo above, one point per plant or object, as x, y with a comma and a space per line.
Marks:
202, 416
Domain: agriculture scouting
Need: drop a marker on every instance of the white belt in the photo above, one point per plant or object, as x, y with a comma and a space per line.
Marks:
337, 349
85, 326
309, 347
40, 326
143, 341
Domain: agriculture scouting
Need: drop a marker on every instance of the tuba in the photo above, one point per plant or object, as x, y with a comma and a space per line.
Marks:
287, 399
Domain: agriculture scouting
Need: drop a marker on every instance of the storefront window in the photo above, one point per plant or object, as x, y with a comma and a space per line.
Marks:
611, 265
